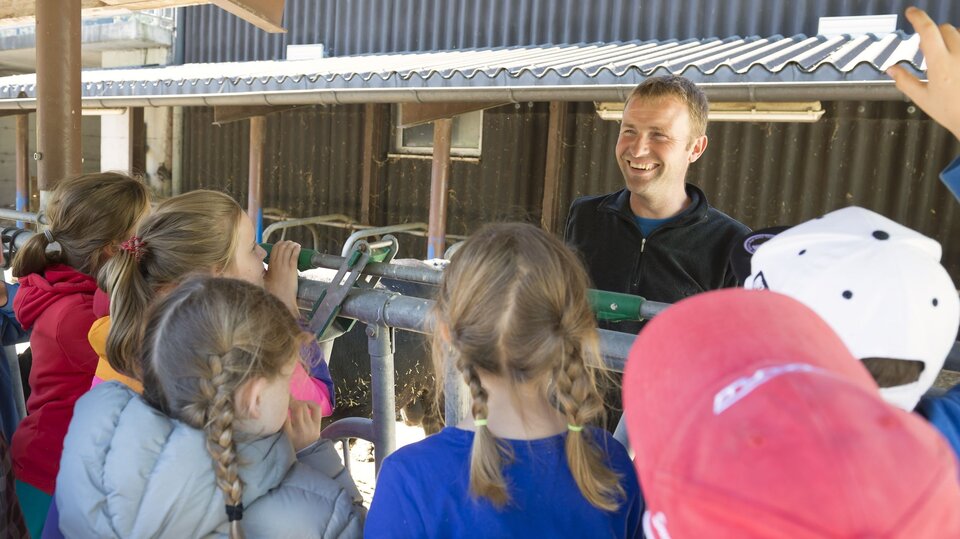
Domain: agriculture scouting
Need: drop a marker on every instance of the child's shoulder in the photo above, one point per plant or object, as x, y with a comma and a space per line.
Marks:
447, 447
449, 439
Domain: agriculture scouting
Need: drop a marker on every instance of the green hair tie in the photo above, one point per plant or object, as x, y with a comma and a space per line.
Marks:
574, 428
479, 422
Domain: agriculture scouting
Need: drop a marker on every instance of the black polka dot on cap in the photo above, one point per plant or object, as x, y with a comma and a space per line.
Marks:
881, 235
802, 252
935, 302
847, 294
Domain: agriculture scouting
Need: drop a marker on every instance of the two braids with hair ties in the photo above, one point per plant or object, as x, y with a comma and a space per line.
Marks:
540, 328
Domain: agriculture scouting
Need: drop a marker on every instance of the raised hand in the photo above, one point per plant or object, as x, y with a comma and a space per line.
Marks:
938, 96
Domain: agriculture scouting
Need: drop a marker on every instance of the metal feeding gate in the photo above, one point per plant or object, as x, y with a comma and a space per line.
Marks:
351, 297
335, 306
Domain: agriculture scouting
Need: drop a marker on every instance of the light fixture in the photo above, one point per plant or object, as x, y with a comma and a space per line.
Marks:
807, 112
102, 112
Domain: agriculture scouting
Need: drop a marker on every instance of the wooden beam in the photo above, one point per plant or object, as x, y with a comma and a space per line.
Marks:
412, 114
373, 125
23, 162
58, 93
137, 138
264, 14
550, 216
439, 185
226, 114
255, 174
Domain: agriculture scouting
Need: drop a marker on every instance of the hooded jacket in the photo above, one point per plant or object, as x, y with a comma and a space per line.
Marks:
130, 471
58, 308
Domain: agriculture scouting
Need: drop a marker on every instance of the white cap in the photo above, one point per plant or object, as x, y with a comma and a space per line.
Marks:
877, 283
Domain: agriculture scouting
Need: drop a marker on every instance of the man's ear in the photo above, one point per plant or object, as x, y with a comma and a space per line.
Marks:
699, 146
248, 397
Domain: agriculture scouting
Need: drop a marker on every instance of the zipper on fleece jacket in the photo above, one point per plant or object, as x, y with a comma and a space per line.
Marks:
636, 284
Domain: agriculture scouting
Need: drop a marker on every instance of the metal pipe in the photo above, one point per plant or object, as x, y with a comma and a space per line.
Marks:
378, 231
439, 185
58, 92
255, 178
457, 400
14, 215
380, 345
380, 307
879, 90
23, 164
337, 220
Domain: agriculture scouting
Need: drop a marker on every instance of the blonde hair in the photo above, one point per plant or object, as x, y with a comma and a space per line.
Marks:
681, 89
202, 342
194, 232
513, 303
85, 215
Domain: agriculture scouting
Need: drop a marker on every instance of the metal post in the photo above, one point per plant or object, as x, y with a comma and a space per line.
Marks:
457, 401
439, 184
58, 92
380, 345
255, 195
23, 165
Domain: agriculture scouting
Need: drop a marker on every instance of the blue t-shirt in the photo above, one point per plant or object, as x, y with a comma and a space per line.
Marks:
423, 491
943, 412
951, 177
649, 225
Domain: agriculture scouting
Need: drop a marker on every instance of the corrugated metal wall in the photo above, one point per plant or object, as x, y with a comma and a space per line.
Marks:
311, 166
877, 155
348, 27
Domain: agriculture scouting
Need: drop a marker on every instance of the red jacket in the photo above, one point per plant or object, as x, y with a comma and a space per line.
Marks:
58, 308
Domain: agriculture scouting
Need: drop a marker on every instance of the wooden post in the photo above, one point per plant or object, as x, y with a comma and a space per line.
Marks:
550, 217
439, 184
372, 151
255, 175
58, 92
137, 137
23, 163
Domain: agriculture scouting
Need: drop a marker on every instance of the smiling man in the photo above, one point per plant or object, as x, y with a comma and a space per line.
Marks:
657, 237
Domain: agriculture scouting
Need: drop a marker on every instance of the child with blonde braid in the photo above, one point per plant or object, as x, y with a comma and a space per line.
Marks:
87, 217
196, 232
214, 447
512, 313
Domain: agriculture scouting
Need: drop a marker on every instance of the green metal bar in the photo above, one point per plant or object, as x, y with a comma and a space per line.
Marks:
615, 307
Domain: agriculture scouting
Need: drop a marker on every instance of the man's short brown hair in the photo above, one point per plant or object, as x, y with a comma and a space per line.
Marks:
680, 89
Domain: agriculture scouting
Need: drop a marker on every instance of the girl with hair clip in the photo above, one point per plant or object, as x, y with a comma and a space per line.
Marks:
214, 448
196, 232
512, 315
86, 219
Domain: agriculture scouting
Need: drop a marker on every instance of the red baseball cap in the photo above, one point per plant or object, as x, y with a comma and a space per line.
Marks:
749, 418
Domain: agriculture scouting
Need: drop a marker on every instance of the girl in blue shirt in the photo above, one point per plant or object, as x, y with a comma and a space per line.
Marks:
512, 314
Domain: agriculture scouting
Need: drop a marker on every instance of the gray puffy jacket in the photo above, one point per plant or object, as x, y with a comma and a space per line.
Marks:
130, 471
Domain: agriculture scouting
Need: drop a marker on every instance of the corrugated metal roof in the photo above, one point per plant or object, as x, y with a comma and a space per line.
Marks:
351, 27
733, 60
